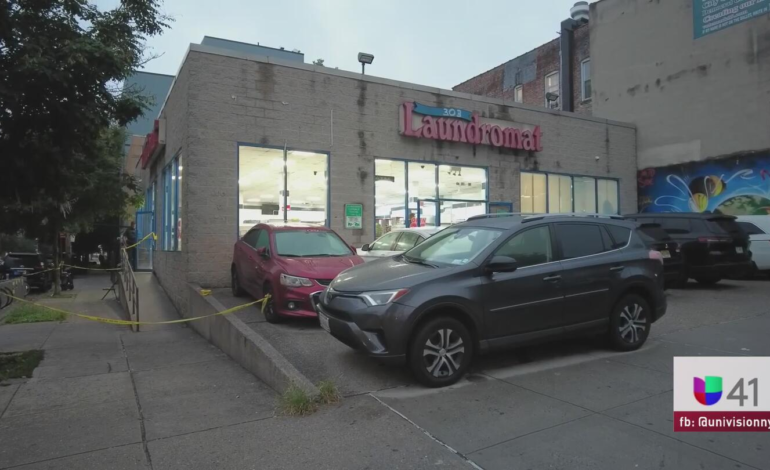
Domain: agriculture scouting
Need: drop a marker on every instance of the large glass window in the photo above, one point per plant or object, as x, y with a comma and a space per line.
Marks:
418, 194
529, 248
171, 238
607, 196
567, 193
533, 193
559, 194
585, 194
275, 185
585, 79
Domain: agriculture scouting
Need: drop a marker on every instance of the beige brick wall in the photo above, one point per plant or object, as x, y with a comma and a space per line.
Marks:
231, 100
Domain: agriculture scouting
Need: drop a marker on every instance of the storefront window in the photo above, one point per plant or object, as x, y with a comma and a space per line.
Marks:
533, 193
607, 191
273, 180
171, 238
433, 195
559, 194
585, 194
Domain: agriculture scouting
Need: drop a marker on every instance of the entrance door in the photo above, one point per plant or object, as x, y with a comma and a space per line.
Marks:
145, 221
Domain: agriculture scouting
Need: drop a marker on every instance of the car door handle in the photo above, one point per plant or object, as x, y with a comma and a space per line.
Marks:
552, 278
617, 268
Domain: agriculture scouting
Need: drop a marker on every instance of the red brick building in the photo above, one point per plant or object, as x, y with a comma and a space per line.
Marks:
527, 78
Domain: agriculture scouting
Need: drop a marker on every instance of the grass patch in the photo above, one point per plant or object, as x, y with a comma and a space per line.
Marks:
28, 313
329, 392
296, 402
16, 365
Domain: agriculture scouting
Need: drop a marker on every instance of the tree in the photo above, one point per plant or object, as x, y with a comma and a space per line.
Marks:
61, 108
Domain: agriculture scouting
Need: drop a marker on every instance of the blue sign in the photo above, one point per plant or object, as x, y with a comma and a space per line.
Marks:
710, 16
442, 112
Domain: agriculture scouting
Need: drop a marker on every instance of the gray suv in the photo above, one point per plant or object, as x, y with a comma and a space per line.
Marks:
495, 282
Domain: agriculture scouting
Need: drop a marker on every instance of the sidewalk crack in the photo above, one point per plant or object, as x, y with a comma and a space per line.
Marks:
138, 406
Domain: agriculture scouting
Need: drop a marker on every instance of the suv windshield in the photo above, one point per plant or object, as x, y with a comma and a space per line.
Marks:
454, 246
309, 244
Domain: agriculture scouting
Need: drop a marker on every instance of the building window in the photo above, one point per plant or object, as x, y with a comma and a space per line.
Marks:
418, 194
171, 238
518, 94
552, 91
534, 193
607, 196
278, 185
585, 79
552, 193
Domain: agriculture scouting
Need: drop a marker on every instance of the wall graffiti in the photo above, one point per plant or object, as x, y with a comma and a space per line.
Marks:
733, 186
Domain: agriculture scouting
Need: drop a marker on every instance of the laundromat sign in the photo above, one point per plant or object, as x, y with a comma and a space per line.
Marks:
458, 125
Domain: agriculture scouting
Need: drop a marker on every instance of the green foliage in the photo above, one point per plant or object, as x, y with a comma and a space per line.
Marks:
28, 313
16, 243
329, 392
18, 365
295, 401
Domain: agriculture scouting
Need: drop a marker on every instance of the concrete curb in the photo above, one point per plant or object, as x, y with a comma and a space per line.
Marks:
244, 345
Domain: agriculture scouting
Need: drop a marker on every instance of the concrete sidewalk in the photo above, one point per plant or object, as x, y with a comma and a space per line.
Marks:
164, 398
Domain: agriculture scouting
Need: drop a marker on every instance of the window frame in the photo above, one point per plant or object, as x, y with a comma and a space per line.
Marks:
545, 89
518, 94
583, 80
172, 206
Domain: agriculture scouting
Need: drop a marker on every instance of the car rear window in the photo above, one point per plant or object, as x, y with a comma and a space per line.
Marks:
310, 244
653, 233
17, 261
620, 236
750, 228
724, 226
579, 240
675, 226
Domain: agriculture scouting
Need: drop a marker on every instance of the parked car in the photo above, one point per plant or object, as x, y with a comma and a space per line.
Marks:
495, 282
291, 263
396, 242
30, 265
713, 246
757, 227
657, 239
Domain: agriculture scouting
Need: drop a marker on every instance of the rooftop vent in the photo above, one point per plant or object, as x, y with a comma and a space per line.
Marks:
580, 12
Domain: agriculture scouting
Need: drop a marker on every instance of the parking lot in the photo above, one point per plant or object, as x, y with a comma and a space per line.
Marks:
574, 404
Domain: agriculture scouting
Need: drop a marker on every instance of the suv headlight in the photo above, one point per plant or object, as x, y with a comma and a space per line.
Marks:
294, 281
382, 297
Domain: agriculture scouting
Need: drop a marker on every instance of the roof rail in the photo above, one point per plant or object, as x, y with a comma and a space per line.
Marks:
533, 217
495, 215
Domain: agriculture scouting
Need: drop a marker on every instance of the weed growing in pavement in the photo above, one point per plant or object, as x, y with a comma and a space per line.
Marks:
295, 401
32, 314
329, 392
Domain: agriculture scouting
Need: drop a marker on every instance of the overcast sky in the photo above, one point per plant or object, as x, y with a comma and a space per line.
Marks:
430, 42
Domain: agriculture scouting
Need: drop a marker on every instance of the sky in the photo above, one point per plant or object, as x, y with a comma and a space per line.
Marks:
439, 43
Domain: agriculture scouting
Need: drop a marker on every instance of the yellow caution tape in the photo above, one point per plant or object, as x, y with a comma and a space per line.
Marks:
151, 234
40, 272
91, 269
205, 292
111, 321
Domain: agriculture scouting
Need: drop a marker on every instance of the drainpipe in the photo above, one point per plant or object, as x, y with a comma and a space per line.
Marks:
566, 53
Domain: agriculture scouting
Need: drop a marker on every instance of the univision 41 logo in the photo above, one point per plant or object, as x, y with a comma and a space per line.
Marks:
708, 391
717, 394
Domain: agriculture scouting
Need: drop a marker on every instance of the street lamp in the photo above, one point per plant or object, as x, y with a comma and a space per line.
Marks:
365, 58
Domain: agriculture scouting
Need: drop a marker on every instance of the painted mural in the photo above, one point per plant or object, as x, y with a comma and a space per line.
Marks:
733, 186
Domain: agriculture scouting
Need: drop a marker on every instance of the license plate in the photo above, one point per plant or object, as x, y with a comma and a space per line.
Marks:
324, 321
739, 250
665, 253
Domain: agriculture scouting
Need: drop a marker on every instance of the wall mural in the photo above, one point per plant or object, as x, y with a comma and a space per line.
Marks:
733, 186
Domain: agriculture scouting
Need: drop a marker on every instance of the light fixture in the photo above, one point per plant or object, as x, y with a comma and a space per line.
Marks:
365, 59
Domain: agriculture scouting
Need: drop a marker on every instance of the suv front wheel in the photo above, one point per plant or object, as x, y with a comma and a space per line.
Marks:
440, 352
630, 323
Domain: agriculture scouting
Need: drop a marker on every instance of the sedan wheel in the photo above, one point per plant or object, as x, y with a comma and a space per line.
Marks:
235, 285
440, 352
630, 323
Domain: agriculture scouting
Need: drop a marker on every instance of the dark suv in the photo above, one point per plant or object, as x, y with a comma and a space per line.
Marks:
29, 265
713, 246
493, 282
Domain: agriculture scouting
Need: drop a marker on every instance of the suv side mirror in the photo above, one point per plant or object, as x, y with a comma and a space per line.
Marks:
263, 252
502, 264
366, 247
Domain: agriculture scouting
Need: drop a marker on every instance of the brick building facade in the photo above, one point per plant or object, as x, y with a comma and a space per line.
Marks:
530, 71
226, 109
